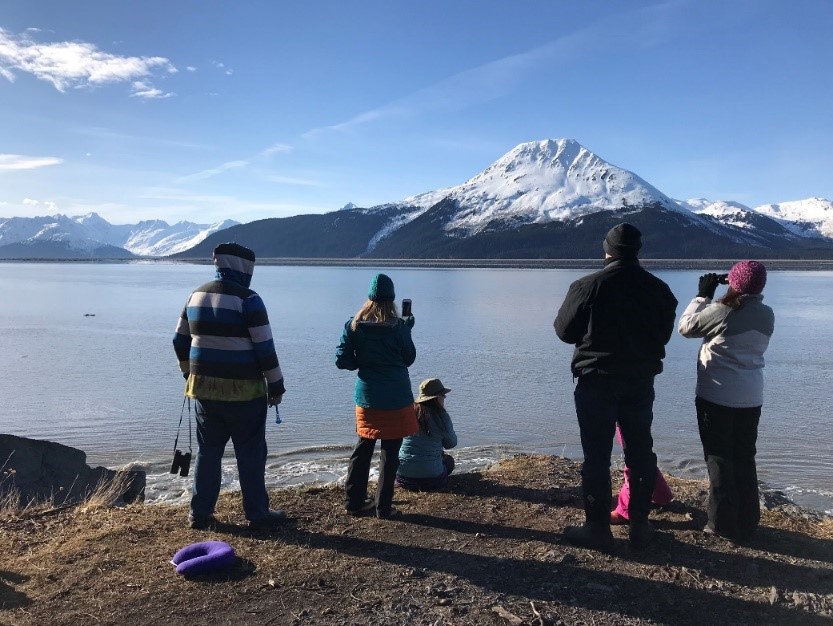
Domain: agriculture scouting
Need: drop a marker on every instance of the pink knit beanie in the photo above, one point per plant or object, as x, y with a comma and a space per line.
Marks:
747, 277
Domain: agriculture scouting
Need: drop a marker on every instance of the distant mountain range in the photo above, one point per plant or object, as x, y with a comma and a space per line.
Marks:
546, 199
91, 236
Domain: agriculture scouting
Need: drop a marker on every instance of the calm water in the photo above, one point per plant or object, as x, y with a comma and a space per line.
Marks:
108, 382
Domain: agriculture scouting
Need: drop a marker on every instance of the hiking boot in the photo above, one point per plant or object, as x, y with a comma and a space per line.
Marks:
200, 522
640, 534
593, 535
364, 509
273, 519
391, 514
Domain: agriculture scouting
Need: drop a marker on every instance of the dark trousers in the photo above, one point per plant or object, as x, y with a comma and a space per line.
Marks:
245, 424
448, 463
358, 471
601, 402
729, 436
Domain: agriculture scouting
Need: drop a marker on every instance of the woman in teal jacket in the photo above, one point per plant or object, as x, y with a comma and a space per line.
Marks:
423, 465
377, 343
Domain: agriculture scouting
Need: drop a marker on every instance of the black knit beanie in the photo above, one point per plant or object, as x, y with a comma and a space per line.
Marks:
623, 241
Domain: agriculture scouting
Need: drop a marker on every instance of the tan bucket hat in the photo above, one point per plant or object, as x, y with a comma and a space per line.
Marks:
430, 389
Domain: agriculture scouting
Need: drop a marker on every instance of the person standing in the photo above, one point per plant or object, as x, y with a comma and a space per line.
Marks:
378, 343
619, 320
730, 386
423, 466
225, 349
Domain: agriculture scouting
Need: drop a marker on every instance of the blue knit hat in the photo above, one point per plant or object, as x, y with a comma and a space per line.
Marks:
381, 288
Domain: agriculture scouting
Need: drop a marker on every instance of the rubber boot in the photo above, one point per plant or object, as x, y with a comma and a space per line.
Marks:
593, 535
640, 530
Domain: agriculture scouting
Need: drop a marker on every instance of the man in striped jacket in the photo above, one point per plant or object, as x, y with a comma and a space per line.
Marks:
225, 349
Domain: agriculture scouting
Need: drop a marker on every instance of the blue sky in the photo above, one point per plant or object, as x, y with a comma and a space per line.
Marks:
203, 111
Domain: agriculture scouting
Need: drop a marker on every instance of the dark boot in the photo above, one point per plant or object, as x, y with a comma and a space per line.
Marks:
593, 535
640, 530
640, 533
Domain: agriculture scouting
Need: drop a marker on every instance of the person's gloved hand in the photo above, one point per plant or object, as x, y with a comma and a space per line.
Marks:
409, 321
708, 285
275, 400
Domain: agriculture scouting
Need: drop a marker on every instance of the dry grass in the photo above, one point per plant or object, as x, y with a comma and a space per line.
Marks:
483, 551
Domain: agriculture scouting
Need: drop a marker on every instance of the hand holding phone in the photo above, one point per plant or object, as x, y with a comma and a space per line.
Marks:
406, 307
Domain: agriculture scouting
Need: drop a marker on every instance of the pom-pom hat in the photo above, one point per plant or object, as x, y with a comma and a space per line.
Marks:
747, 277
381, 289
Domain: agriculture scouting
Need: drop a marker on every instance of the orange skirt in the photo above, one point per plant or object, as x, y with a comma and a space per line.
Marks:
384, 424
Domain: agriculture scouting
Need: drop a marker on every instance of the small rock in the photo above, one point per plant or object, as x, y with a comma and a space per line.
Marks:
444, 601
774, 596
327, 611
799, 600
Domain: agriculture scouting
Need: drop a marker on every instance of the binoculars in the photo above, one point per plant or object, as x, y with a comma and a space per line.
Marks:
181, 463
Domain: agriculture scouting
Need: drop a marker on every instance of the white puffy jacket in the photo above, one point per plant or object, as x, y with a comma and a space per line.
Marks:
731, 360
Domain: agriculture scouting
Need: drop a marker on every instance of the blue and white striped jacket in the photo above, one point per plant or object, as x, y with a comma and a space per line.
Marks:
223, 338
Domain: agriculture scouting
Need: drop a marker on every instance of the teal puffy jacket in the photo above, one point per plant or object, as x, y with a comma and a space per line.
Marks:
382, 354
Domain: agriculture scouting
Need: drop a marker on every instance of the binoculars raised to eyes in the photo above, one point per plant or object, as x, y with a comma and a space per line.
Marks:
181, 463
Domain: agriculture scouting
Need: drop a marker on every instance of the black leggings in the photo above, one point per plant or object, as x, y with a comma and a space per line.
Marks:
358, 471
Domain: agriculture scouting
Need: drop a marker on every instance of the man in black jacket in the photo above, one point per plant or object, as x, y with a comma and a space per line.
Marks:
619, 319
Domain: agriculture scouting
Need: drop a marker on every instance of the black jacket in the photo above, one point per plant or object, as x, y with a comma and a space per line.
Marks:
619, 319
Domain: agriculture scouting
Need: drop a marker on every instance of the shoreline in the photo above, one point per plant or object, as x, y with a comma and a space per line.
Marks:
485, 551
582, 264
163, 482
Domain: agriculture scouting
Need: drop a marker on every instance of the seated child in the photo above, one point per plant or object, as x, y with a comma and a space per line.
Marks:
662, 492
423, 466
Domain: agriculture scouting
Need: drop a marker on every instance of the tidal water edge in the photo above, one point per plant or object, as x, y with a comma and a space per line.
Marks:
87, 361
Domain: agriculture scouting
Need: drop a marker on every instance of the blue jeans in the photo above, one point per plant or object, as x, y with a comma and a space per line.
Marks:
601, 402
245, 424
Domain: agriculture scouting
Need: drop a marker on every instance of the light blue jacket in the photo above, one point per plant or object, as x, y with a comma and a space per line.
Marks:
421, 455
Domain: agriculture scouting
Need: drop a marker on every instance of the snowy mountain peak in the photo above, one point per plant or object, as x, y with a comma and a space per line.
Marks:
812, 217
543, 181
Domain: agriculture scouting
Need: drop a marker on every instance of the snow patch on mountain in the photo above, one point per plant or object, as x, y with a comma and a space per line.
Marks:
812, 217
730, 213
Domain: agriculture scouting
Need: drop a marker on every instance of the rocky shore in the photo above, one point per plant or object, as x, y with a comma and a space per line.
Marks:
487, 550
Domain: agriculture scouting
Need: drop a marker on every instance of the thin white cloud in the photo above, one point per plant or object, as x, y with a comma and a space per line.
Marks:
22, 162
191, 68
70, 64
290, 180
142, 89
38, 204
277, 148
641, 28
214, 171
266, 153
102, 133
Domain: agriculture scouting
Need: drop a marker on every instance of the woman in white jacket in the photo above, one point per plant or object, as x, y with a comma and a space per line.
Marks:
735, 330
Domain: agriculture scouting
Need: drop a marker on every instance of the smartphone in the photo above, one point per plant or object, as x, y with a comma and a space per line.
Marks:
406, 307
723, 279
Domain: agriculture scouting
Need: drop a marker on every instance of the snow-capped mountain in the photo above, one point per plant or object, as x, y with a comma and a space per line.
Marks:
92, 235
812, 217
545, 199
540, 182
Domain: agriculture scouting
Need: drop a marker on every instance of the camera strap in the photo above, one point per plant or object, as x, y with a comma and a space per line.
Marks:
178, 428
